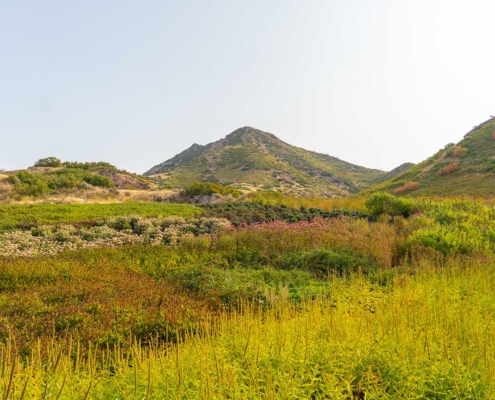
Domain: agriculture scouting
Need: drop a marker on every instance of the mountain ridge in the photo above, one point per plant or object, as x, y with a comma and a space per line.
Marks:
252, 159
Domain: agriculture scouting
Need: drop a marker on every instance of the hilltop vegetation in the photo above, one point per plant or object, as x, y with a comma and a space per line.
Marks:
250, 159
463, 169
49, 175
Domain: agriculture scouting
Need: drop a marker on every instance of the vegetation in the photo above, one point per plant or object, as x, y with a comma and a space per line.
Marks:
463, 169
255, 213
448, 169
339, 308
384, 203
390, 299
408, 187
52, 239
324, 204
14, 216
48, 162
49, 175
31, 184
209, 188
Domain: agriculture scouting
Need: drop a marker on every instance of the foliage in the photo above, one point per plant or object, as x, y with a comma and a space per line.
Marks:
459, 151
324, 204
208, 188
34, 184
32, 215
385, 203
48, 162
254, 213
49, 240
408, 187
448, 169
437, 324
89, 166
338, 308
29, 184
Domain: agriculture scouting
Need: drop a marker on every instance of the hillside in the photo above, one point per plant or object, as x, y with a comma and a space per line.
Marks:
463, 169
251, 159
69, 178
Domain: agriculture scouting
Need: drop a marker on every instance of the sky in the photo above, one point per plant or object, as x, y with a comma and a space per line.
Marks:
373, 82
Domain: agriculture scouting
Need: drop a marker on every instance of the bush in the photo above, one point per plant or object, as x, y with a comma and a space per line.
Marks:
89, 166
448, 169
208, 188
29, 184
408, 187
98, 180
385, 203
48, 162
321, 262
456, 151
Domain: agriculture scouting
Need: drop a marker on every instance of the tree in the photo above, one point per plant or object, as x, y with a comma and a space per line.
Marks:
48, 162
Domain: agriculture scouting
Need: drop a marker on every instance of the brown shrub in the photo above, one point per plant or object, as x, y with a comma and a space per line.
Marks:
459, 151
408, 187
448, 169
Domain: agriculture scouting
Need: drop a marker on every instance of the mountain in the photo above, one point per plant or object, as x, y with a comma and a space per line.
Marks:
463, 169
251, 159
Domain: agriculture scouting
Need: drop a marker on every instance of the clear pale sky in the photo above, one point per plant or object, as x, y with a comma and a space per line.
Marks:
373, 82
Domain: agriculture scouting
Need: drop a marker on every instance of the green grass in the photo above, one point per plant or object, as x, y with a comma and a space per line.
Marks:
27, 215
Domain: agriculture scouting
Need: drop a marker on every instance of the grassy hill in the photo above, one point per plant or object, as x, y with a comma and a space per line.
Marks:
463, 169
43, 179
254, 160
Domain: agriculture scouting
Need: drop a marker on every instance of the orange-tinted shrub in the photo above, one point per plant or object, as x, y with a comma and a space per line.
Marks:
408, 187
448, 169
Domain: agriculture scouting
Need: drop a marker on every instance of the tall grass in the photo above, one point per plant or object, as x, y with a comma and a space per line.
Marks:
418, 334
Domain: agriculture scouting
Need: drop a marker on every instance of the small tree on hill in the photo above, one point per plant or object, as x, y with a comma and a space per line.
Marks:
48, 162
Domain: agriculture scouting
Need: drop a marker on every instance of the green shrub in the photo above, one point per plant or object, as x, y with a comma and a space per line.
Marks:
98, 180
208, 188
322, 262
29, 184
385, 203
48, 162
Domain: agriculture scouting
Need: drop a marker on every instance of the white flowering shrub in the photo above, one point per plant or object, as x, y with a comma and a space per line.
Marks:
52, 239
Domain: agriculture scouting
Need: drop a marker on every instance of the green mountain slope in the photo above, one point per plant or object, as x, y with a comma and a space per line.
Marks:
463, 169
251, 159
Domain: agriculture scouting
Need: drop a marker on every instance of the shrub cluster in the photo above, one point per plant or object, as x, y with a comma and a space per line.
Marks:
208, 188
408, 187
255, 213
456, 151
385, 203
48, 162
29, 184
49, 240
448, 169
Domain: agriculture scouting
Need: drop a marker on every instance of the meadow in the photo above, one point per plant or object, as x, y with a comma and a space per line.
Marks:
30, 215
399, 304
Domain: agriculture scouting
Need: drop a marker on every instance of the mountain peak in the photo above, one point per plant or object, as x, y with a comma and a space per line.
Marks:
251, 159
